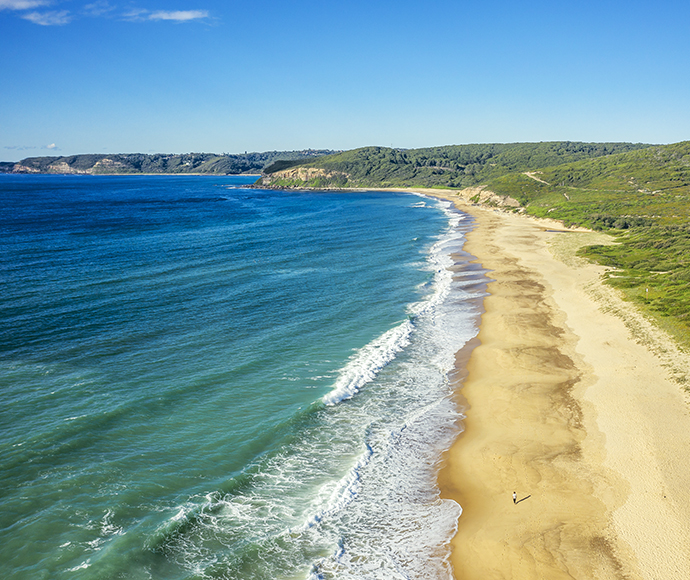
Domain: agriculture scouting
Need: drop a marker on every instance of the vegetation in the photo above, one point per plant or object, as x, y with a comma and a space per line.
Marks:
620, 191
455, 166
207, 163
638, 193
642, 197
653, 269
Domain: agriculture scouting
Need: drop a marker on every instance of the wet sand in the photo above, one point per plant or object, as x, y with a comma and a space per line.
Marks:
571, 403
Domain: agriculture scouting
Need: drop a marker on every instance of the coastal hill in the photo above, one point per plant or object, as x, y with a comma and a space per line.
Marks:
638, 193
133, 163
596, 185
454, 166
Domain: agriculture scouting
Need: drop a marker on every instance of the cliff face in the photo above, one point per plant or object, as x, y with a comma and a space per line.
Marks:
64, 168
107, 165
302, 175
21, 168
312, 177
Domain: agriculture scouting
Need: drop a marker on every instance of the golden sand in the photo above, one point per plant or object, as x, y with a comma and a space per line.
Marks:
570, 403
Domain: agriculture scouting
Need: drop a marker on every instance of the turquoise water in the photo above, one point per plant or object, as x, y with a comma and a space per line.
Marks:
200, 380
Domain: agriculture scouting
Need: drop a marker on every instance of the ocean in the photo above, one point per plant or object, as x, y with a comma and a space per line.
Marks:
201, 380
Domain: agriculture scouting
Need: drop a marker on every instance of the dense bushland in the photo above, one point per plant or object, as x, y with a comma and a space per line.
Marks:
638, 193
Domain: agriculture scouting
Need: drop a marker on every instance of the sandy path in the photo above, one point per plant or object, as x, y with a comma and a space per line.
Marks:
533, 175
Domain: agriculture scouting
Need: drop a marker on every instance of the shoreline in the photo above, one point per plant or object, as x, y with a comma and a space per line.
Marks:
572, 399
564, 406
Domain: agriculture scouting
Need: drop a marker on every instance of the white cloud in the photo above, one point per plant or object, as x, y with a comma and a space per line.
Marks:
50, 18
141, 15
22, 4
51, 146
178, 15
98, 8
136, 14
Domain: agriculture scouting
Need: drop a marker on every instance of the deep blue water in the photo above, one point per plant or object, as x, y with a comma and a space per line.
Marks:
204, 381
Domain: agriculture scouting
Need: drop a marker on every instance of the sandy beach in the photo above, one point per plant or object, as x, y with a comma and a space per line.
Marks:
574, 401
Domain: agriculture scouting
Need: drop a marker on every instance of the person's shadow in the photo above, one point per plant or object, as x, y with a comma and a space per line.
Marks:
523, 499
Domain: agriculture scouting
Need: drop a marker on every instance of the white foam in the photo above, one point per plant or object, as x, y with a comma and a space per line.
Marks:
81, 566
367, 362
358, 472
75, 418
397, 500
345, 492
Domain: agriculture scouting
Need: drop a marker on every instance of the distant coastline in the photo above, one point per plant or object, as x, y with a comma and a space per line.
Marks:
158, 163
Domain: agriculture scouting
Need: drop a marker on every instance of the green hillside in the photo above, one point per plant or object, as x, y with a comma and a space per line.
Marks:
642, 197
636, 188
454, 166
638, 193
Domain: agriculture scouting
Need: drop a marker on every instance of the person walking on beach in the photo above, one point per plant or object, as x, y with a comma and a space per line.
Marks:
514, 497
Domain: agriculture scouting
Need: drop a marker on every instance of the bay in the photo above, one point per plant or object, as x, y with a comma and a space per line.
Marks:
201, 380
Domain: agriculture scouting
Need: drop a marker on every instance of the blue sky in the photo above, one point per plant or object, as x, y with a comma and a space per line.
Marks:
108, 76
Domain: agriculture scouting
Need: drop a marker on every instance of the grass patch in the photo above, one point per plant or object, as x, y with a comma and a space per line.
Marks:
652, 269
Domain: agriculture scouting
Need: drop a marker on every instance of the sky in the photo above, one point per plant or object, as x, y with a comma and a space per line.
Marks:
126, 76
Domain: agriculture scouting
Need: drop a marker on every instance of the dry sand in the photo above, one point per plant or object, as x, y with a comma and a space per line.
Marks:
570, 402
